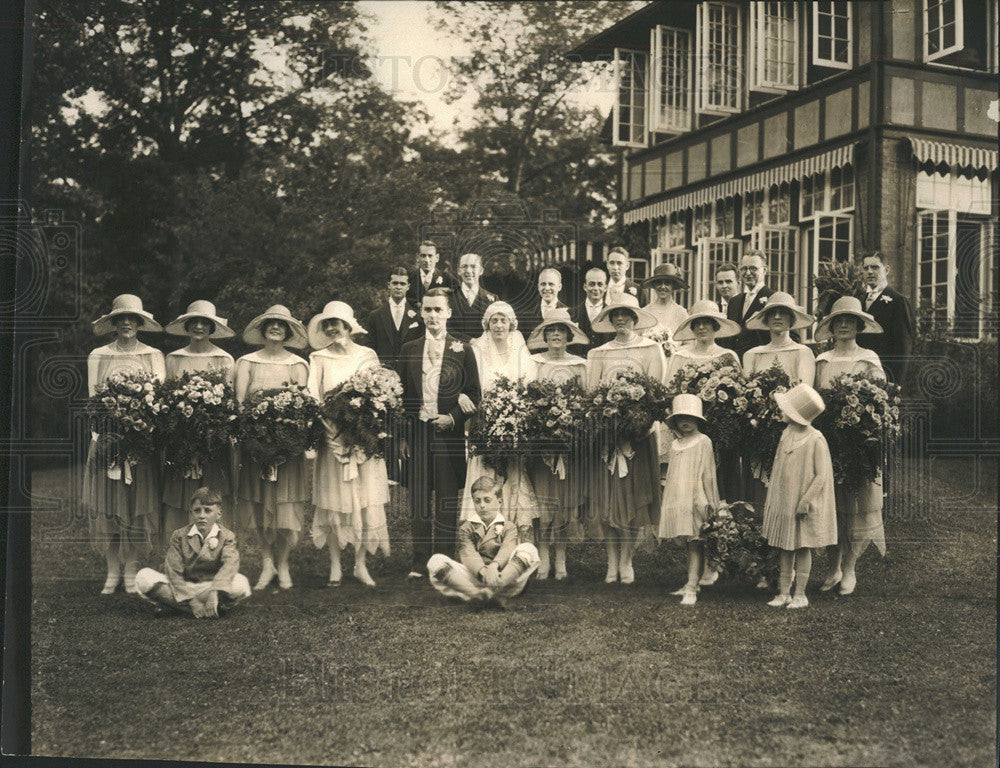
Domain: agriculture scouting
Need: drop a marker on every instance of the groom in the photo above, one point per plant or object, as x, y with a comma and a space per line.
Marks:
440, 390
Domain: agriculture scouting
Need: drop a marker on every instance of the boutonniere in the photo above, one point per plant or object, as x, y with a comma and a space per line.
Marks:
886, 299
456, 346
410, 313
213, 543
414, 324
439, 280
631, 289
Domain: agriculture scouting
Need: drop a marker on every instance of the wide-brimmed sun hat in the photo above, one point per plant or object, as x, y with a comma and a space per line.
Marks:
334, 310
666, 273
558, 316
686, 405
126, 304
500, 308
644, 320
206, 311
780, 300
801, 403
850, 306
702, 309
252, 333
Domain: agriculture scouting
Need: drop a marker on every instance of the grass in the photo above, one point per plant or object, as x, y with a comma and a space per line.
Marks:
573, 674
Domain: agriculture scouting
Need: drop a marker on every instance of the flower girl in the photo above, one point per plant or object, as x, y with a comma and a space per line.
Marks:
799, 513
691, 492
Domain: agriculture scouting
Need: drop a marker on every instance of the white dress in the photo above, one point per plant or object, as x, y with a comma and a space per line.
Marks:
518, 502
350, 490
690, 493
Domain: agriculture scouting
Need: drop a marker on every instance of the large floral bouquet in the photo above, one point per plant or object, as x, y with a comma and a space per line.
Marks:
276, 425
497, 433
622, 411
364, 408
764, 422
860, 422
123, 412
663, 338
553, 420
197, 422
735, 545
722, 388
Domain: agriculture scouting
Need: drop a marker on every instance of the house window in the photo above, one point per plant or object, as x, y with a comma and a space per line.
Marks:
681, 258
831, 35
713, 253
811, 195
773, 42
826, 241
943, 28
672, 87
841, 188
780, 247
753, 211
778, 204
720, 78
934, 242
967, 195
724, 218
672, 234
629, 113
702, 223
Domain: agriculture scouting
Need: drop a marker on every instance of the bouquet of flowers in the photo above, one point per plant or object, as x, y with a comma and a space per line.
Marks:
722, 388
123, 412
363, 409
497, 433
276, 425
735, 545
663, 338
622, 411
764, 424
197, 420
554, 419
860, 422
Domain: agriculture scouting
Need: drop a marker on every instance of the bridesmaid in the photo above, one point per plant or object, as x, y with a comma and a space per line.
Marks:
859, 512
666, 279
200, 324
625, 504
560, 498
273, 510
123, 515
350, 492
780, 315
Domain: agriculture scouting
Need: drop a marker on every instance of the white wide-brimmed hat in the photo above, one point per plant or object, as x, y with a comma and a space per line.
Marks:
334, 310
252, 334
801, 403
780, 300
206, 311
558, 316
644, 320
702, 309
126, 304
846, 305
686, 405
500, 308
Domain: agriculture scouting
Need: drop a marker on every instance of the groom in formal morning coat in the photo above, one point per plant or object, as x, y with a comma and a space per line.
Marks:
743, 306
440, 391
469, 300
892, 311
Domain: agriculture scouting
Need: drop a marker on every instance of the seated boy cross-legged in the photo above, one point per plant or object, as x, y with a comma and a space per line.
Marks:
493, 565
201, 568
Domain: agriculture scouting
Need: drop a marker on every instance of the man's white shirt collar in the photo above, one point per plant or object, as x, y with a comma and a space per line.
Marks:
878, 288
211, 534
474, 517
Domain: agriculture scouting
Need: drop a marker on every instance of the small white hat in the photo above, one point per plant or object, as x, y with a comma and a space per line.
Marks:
706, 308
643, 319
686, 405
126, 304
801, 403
846, 305
252, 334
557, 316
500, 308
334, 310
782, 300
205, 310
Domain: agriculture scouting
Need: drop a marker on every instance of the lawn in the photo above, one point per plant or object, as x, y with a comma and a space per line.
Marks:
573, 674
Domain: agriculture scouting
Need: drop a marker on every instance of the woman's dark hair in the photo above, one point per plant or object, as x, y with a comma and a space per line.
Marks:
616, 310
187, 324
859, 324
288, 330
545, 332
771, 312
713, 321
137, 319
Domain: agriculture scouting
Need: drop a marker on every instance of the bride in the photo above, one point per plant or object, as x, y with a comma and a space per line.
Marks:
501, 351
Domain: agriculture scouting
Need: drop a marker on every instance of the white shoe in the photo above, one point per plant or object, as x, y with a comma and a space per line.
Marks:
848, 583
683, 589
542, 573
266, 576
561, 574
627, 573
690, 597
780, 601
363, 576
831, 581
612, 575
111, 583
799, 601
129, 578
336, 575
708, 578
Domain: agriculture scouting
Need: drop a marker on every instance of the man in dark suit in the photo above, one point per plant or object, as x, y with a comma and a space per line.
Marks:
753, 270
892, 311
440, 390
727, 284
427, 275
619, 283
549, 285
469, 300
393, 322
595, 284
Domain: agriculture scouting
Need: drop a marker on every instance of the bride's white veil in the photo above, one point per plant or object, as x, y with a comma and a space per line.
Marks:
516, 363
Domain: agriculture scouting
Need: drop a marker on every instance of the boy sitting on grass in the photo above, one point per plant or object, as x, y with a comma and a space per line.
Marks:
493, 565
201, 568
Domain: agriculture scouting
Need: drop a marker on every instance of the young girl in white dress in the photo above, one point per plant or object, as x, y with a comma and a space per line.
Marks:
779, 316
272, 510
200, 324
799, 513
859, 511
124, 516
350, 489
690, 494
501, 351
560, 497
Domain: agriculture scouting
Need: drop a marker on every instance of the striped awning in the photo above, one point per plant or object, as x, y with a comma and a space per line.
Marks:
798, 169
954, 155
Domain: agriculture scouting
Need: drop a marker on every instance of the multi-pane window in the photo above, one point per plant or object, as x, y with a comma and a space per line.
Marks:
778, 199
672, 70
753, 210
724, 218
967, 195
943, 28
841, 188
811, 195
701, 225
719, 80
671, 234
713, 253
827, 240
773, 40
832, 34
934, 243
681, 258
780, 247
629, 113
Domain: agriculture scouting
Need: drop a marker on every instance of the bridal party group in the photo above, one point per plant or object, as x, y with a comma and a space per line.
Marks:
480, 534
